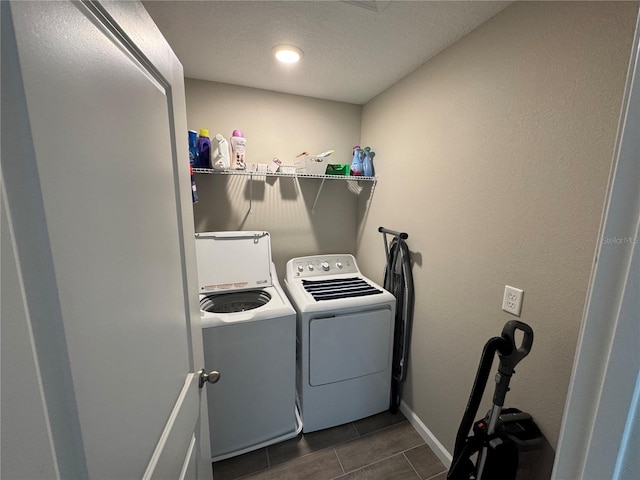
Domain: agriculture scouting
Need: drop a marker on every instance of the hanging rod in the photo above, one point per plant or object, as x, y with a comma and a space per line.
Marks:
402, 235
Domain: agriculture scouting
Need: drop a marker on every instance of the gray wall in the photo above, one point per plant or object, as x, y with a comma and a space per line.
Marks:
494, 157
282, 126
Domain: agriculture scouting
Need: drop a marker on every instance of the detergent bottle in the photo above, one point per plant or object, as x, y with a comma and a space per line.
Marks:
238, 148
204, 149
367, 163
194, 189
220, 157
356, 163
193, 148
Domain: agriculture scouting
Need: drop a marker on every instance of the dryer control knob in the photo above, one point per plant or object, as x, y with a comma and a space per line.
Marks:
300, 268
339, 264
310, 267
325, 266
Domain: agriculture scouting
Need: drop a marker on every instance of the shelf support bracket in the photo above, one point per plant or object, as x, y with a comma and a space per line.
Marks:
313, 209
250, 193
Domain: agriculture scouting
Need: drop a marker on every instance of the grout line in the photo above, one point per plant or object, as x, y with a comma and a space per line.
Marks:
380, 429
342, 442
382, 459
411, 464
427, 445
434, 476
373, 463
266, 450
427, 435
360, 436
338, 457
247, 475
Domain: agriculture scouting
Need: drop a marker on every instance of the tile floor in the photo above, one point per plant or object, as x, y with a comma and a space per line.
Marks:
381, 447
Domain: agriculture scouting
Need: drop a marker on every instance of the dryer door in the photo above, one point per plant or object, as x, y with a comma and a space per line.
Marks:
346, 346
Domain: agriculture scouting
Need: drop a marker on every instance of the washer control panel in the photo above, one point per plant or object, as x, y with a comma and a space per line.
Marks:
319, 265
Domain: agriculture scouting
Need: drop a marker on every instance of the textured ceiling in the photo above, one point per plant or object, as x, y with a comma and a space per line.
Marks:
352, 50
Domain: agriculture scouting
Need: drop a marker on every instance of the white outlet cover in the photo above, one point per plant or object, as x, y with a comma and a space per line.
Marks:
512, 300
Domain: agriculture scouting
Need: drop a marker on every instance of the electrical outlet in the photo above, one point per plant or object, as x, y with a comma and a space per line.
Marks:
512, 300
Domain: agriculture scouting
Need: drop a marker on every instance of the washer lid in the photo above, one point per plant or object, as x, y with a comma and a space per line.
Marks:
233, 261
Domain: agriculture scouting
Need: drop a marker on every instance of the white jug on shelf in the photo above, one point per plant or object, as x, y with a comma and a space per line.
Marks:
220, 154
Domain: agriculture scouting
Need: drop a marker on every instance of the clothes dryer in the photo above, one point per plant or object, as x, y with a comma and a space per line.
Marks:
248, 327
345, 325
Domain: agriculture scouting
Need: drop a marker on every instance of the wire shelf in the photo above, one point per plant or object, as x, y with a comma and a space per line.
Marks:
286, 175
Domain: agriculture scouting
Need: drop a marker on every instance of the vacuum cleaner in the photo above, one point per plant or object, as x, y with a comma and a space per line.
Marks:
498, 437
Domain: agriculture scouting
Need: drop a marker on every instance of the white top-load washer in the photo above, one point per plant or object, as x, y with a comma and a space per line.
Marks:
248, 327
345, 325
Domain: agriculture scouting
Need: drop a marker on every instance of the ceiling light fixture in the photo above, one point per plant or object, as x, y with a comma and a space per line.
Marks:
287, 53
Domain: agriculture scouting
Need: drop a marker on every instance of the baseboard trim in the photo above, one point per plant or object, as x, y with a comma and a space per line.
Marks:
430, 439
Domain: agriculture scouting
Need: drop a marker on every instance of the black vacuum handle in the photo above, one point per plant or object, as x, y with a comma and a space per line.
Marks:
509, 361
510, 356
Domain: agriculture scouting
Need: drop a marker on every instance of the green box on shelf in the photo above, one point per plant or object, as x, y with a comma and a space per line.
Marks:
338, 169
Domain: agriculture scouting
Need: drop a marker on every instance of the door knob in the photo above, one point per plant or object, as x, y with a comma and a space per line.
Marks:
212, 377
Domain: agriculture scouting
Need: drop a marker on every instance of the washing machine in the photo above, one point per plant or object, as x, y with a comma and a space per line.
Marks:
344, 336
248, 330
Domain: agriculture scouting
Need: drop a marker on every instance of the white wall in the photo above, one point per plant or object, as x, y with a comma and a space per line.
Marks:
278, 125
600, 435
494, 157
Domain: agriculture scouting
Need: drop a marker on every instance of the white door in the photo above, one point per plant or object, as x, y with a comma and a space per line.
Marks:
101, 338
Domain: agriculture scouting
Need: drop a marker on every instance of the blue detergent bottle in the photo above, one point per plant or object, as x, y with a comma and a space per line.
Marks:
368, 162
204, 149
193, 148
356, 163
194, 189
193, 160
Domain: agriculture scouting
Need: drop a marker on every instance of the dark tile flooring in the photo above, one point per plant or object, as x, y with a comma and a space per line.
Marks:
381, 447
